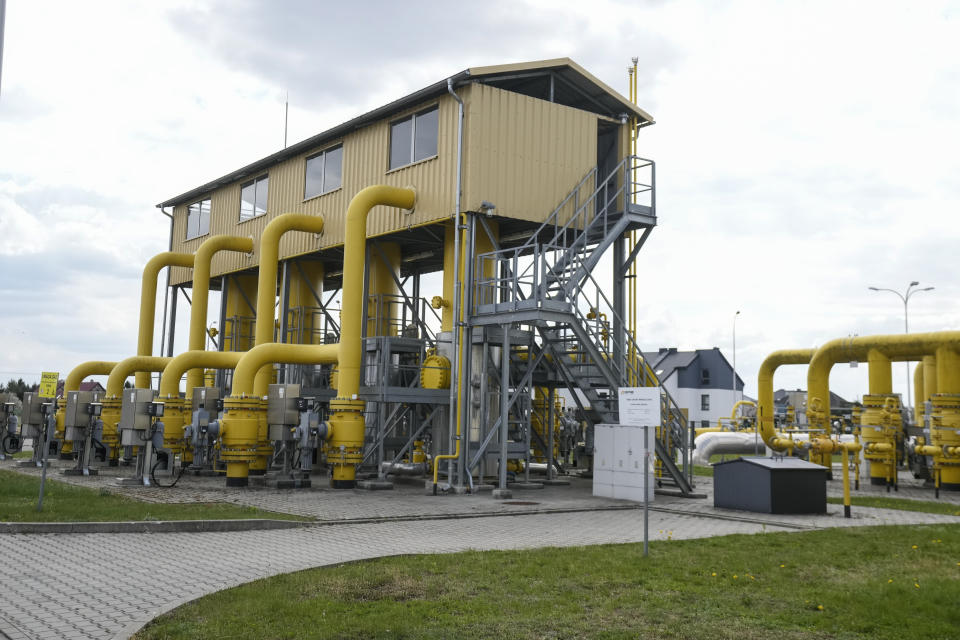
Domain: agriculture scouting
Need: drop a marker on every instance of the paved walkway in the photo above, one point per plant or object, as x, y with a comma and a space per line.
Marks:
109, 585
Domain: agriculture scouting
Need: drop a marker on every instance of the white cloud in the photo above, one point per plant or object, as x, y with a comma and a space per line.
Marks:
805, 150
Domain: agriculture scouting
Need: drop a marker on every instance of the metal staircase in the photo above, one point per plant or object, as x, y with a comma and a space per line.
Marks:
548, 283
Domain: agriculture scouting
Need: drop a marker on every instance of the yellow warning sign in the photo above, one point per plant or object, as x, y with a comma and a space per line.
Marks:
48, 384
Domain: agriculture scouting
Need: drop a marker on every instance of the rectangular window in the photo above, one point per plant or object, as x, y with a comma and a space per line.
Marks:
705, 402
324, 172
253, 198
704, 376
414, 138
198, 219
705, 424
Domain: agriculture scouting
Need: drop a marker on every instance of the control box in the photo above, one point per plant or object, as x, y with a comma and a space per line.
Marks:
76, 414
133, 409
31, 413
205, 398
282, 404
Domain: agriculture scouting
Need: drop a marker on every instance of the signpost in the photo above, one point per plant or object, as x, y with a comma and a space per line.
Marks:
48, 389
640, 407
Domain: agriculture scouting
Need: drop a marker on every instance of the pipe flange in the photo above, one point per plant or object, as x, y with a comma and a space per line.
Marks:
346, 404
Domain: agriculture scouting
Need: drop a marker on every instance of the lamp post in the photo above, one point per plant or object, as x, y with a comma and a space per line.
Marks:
734, 381
905, 298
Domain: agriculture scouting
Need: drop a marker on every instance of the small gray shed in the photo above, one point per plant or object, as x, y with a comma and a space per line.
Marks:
770, 485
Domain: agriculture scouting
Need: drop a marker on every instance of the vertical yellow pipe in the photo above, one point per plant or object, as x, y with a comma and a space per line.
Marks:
383, 303
305, 278
148, 301
948, 370
267, 280
880, 373
240, 321
918, 396
929, 377
201, 291
446, 318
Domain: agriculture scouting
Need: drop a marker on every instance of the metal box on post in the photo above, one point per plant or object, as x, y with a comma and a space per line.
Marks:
133, 409
205, 398
770, 485
282, 410
31, 408
75, 416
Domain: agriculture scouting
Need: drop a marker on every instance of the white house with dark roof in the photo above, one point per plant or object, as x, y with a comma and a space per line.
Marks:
701, 381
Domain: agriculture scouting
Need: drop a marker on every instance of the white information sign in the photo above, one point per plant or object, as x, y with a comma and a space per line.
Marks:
639, 406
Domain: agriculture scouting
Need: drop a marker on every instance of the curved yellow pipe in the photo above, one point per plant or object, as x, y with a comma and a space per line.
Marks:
765, 393
180, 364
267, 278
201, 292
354, 249
126, 368
81, 371
273, 352
892, 347
148, 300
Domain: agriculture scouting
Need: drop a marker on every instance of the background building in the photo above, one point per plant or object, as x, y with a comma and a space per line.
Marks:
701, 381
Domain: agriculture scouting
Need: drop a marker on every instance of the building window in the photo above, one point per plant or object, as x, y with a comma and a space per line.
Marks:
253, 198
705, 424
704, 376
198, 219
324, 172
414, 138
705, 402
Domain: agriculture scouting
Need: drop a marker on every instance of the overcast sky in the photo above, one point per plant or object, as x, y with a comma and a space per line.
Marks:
805, 150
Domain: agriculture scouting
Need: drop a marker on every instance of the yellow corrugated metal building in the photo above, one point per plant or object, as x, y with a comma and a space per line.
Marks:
531, 131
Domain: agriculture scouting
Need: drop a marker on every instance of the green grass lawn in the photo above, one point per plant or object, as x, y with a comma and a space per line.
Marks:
68, 503
903, 504
869, 583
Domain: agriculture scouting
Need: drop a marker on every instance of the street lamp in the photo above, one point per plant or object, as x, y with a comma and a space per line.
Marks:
734, 381
905, 298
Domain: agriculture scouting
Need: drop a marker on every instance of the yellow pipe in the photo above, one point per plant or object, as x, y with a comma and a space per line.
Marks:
72, 383
201, 292
254, 361
765, 394
929, 376
110, 414
267, 277
180, 364
126, 368
148, 299
354, 248
178, 410
240, 425
894, 347
919, 398
879, 374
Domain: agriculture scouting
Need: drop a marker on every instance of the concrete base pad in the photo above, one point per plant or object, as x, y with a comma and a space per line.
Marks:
526, 486
374, 485
291, 483
502, 494
79, 472
483, 488
130, 482
556, 482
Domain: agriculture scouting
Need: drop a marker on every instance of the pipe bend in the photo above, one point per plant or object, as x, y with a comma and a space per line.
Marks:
148, 298
125, 368
267, 274
252, 361
180, 364
81, 371
765, 392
